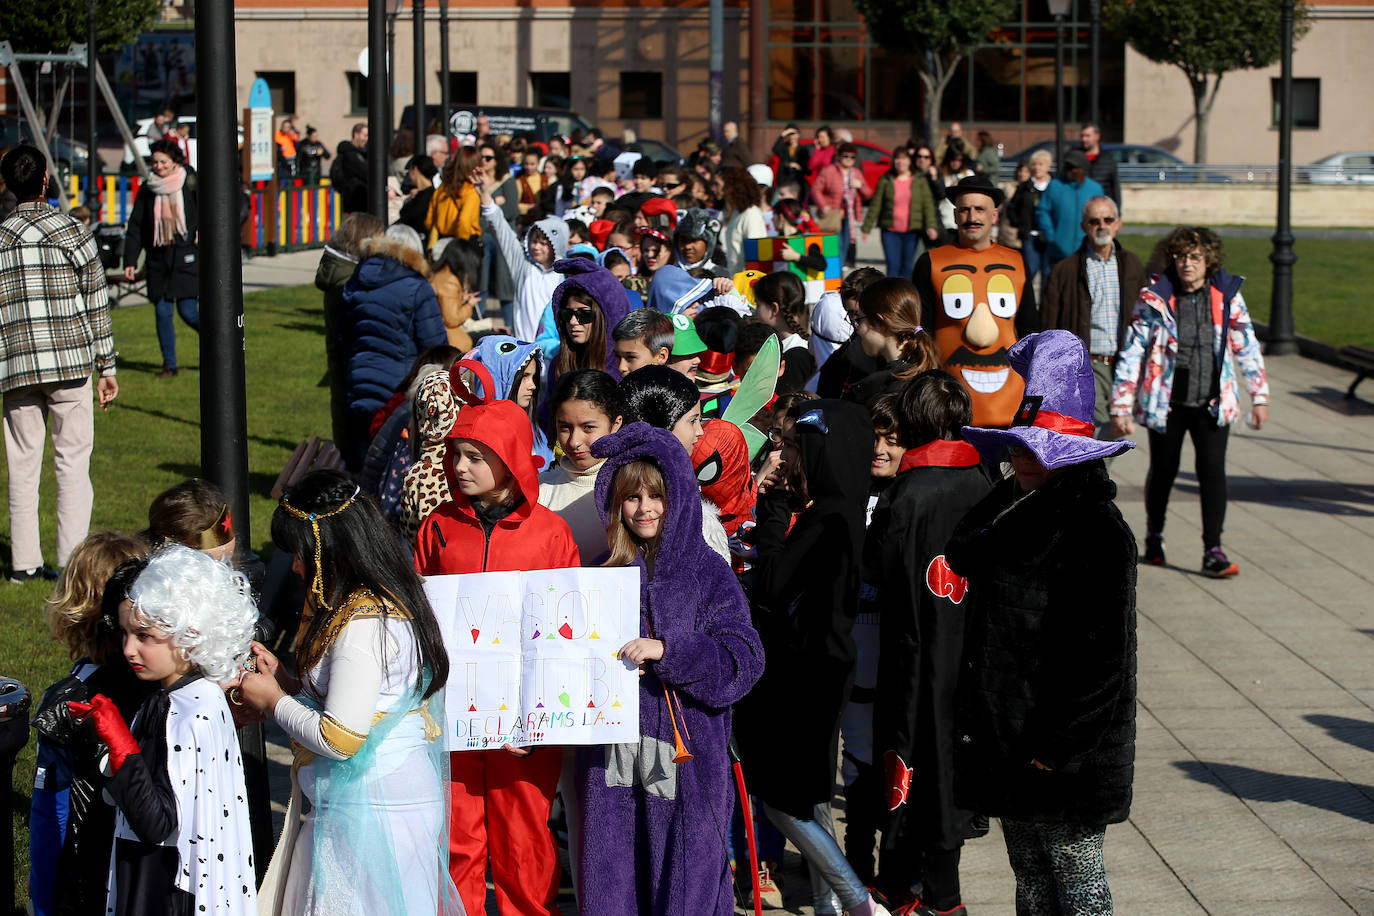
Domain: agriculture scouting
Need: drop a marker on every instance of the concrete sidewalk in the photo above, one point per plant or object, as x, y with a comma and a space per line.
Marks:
1254, 787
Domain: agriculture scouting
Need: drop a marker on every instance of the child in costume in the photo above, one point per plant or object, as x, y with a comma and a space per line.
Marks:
805, 598
516, 367
653, 822
587, 306
586, 406
500, 799
181, 841
531, 264
363, 718
70, 827
918, 603
1046, 702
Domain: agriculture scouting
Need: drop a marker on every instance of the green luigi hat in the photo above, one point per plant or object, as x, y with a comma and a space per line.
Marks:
686, 340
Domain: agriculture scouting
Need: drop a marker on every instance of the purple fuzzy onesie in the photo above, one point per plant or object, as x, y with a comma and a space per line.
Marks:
654, 833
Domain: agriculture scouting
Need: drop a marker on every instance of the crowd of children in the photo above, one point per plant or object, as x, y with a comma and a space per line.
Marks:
784, 473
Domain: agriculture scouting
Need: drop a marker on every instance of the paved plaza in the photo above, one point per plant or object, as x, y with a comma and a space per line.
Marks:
1254, 788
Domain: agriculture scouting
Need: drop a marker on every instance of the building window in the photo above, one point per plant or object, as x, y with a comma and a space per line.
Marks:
462, 86
822, 65
1307, 103
551, 89
357, 94
282, 85
641, 94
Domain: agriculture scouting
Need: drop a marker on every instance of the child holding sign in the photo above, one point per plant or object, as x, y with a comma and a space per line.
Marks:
500, 798
655, 813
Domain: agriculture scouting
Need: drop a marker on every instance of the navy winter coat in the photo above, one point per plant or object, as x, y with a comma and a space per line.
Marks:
389, 315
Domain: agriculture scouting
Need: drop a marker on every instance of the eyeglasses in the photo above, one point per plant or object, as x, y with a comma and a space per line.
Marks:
854, 316
923, 155
775, 435
847, 156
1196, 256
1101, 221
582, 316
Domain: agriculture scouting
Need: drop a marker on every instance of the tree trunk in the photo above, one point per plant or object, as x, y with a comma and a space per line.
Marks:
935, 80
1202, 113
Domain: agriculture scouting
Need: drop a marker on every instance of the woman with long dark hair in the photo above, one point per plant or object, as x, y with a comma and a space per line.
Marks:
587, 305
164, 223
365, 715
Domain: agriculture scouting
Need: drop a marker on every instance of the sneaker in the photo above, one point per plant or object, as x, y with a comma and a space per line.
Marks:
1215, 564
770, 894
45, 572
1154, 549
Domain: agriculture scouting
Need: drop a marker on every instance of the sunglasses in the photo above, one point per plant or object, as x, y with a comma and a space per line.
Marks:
583, 316
488, 158
1101, 220
923, 155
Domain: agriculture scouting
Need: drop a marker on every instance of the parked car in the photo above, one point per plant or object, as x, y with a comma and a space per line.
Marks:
873, 159
140, 130
1342, 168
1134, 162
69, 156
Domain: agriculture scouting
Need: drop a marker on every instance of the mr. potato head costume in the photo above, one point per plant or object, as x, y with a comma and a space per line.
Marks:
982, 301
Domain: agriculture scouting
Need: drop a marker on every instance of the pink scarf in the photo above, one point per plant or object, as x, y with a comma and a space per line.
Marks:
169, 210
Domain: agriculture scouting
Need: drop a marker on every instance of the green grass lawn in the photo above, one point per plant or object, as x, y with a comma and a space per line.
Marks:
1330, 281
149, 440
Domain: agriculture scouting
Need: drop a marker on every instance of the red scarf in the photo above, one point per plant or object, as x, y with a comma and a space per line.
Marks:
942, 453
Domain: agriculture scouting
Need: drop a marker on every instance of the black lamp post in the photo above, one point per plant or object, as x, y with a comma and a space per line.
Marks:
1282, 340
1095, 72
417, 16
444, 100
1059, 9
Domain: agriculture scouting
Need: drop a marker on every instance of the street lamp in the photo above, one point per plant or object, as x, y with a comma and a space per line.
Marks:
1282, 340
1095, 77
1059, 9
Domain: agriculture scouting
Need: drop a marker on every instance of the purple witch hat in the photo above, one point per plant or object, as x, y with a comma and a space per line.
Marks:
1055, 419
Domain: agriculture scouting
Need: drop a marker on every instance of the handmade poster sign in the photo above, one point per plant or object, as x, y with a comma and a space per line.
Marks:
532, 656
765, 255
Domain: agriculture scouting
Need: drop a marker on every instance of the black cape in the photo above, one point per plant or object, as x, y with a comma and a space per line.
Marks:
1049, 652
804, 601
921, 625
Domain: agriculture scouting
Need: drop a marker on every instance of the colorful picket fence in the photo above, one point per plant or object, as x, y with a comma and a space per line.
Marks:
307, 214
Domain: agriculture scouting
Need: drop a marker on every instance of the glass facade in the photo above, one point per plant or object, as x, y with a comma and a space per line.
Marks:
823, 67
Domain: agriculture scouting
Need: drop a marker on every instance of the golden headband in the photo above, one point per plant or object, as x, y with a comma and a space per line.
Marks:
317, 586
219, 533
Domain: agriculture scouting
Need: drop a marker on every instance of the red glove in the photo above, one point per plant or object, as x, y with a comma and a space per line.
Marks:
109, 725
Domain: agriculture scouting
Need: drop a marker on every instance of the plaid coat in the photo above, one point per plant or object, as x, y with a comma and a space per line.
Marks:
54, 307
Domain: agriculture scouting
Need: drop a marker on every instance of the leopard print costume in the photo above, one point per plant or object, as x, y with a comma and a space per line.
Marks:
426, 485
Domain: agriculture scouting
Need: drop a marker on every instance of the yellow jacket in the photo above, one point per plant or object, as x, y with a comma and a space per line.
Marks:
460, 217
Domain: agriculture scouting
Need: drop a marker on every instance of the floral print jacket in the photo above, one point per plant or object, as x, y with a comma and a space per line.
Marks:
1145, 366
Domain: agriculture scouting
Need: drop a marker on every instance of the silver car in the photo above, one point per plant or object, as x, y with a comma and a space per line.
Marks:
1341, 168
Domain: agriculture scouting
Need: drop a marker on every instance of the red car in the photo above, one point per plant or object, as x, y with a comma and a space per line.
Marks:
874, 159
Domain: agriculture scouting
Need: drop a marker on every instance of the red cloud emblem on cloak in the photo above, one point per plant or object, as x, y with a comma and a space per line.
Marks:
898, 780
943, 582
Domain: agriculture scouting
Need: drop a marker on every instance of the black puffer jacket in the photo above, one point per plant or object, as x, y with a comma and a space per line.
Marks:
1049, 652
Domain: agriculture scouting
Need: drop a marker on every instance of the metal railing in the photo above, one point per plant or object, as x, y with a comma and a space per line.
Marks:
1218, 173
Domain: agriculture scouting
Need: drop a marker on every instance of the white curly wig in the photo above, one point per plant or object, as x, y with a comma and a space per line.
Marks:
204, 605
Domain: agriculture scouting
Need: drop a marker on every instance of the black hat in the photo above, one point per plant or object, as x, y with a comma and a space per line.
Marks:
977, 184
1075, 159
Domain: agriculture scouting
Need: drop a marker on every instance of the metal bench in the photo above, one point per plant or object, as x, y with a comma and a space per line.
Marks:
1361, 359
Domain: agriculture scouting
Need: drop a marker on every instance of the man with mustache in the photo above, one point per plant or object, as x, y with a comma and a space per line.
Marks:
978, 297
1092, 293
